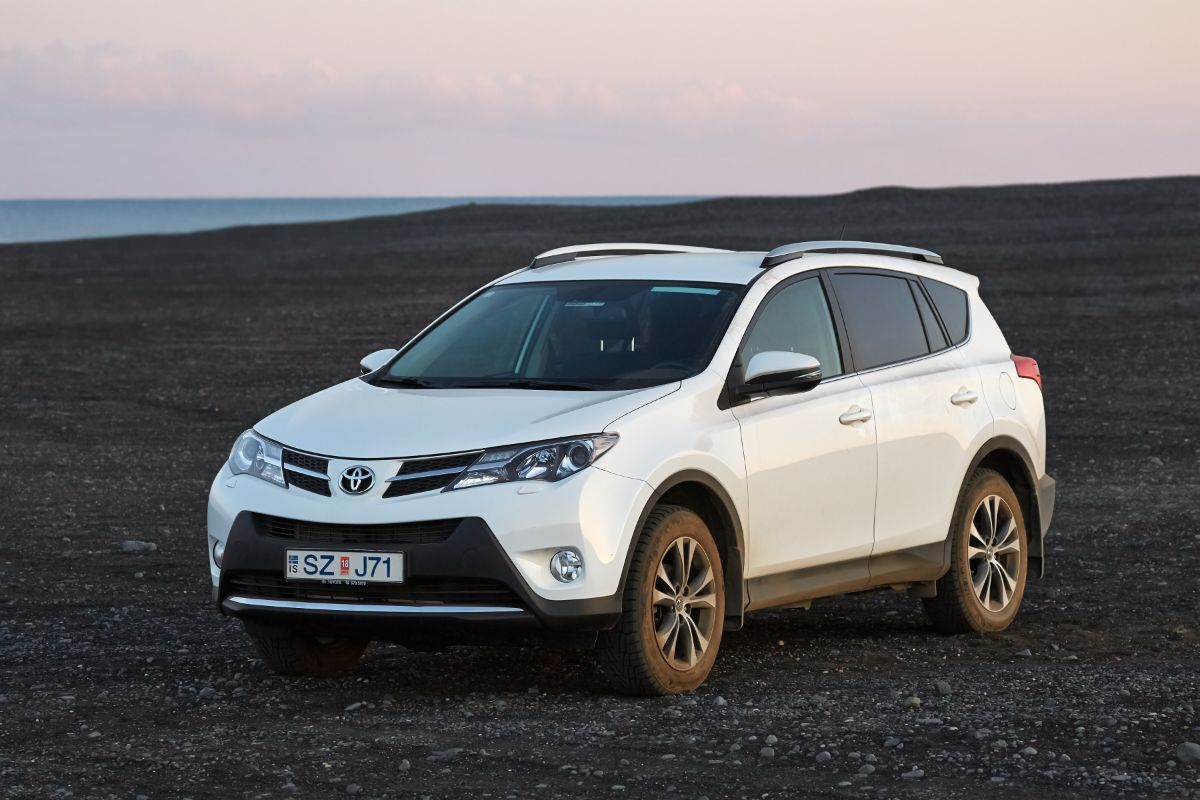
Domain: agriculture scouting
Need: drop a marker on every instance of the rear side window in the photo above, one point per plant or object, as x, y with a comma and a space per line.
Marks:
882, 319
933, 331
951, 304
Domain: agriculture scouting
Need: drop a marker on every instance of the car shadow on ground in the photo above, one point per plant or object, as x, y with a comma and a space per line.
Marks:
880, 634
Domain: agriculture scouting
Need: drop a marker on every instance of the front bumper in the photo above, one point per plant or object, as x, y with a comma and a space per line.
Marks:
465, 579
497, 549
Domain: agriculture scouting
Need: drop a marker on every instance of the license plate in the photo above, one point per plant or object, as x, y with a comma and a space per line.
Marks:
342, 566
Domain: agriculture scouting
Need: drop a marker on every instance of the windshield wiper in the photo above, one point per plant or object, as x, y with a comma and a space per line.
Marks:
406, 382
527, 383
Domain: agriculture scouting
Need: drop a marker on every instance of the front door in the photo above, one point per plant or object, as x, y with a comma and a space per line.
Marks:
810, 458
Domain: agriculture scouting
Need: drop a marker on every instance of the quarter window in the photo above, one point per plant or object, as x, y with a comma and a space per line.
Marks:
882, 319
797, 320
951, 304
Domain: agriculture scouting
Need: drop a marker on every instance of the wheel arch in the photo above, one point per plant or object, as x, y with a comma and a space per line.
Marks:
702, 493
1007, 456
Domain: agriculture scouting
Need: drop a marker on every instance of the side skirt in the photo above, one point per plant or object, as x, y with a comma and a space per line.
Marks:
903, 569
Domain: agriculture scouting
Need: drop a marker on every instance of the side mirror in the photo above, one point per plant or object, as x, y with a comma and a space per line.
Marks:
780, 372
376, 360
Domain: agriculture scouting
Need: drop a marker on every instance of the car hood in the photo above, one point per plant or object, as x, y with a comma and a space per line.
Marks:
358, 420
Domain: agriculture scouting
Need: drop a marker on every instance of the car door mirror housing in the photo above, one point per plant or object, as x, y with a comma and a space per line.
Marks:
376, 360
780, 372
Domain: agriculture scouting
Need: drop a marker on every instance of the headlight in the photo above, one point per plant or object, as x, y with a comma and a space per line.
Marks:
545, 461
254, 455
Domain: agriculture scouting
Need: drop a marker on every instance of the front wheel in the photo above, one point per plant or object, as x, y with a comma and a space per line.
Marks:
290, 652
989, 554
672, 608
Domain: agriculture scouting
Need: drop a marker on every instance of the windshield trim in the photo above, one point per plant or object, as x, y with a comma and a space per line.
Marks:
739, 290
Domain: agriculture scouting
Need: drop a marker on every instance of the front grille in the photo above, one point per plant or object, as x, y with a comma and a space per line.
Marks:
414, 465
313, 463
408, 533
418, 485
450, 468
417, 591
306, 482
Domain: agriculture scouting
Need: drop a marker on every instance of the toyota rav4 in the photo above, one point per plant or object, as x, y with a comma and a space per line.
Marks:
635, 445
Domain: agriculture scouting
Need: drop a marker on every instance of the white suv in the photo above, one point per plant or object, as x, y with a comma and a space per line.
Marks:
633, 445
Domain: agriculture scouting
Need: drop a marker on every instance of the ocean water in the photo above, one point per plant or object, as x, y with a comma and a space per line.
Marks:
56, 220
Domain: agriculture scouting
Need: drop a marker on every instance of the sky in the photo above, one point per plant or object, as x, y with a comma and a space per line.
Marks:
158, 98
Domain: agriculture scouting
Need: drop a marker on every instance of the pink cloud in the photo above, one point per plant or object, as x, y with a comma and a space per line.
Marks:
119, 121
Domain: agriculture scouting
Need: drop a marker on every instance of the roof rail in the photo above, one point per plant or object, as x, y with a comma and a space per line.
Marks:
789, 252
571, 252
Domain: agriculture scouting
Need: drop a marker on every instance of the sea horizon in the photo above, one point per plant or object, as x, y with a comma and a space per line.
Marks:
32, 220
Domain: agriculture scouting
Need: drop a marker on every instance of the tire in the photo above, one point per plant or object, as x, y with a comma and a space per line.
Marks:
633, 657
983, 588
290, 652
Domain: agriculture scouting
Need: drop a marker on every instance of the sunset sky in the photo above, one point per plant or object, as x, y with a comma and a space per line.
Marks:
134, 98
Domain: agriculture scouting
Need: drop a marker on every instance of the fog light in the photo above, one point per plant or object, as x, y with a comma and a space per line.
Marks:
219, 553
566, 566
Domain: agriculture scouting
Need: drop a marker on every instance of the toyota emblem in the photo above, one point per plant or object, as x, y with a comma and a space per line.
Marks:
357, 480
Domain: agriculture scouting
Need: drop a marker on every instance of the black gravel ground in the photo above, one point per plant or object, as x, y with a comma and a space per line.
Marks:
129, 366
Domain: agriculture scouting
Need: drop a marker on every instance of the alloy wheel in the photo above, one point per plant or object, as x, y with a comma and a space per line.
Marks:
994, 553
684, 603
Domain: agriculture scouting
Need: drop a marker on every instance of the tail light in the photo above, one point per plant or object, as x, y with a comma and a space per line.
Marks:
1028, 368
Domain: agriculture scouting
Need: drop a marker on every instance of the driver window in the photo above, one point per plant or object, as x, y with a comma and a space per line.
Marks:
797, 320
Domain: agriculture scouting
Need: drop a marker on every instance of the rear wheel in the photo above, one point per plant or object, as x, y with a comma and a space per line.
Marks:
290, 652
989, 555
672, 608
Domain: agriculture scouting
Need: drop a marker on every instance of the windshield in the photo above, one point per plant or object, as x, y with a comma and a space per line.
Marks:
571, 335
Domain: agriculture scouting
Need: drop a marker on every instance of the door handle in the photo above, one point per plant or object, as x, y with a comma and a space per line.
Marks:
964, 397
855, 414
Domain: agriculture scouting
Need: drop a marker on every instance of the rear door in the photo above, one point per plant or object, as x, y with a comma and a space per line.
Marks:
810, 458
926, 401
